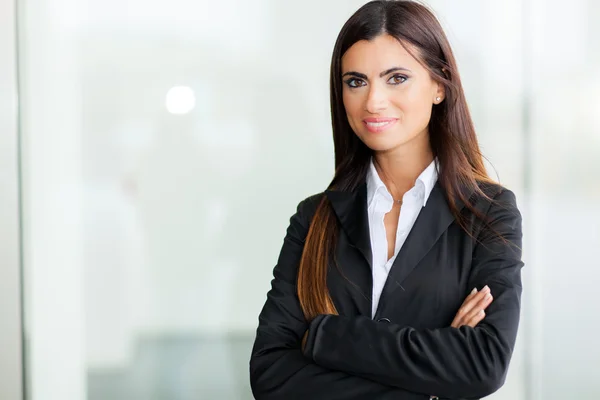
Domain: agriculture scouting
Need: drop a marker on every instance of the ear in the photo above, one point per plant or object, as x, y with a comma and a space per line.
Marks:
440, 93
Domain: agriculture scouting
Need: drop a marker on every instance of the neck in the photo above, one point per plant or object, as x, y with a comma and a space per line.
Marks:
399, 169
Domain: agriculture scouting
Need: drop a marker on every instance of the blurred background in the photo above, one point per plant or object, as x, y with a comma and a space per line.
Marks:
150, 131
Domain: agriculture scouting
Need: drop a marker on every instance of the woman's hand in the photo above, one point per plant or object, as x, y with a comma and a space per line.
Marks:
472, 310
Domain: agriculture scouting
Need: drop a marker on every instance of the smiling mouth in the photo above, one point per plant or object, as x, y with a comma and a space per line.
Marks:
379, 125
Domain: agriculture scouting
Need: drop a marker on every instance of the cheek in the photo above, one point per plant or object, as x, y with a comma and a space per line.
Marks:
416, 108
351, 103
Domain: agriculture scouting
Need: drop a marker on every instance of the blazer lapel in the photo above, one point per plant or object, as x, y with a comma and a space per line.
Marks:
432, 222
351, 210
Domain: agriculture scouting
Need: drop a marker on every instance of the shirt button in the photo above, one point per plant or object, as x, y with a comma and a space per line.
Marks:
387, 321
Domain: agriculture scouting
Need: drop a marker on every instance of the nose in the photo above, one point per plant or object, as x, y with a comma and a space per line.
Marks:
376, 100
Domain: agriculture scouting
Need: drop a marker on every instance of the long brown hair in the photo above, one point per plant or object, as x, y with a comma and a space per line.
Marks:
451, 131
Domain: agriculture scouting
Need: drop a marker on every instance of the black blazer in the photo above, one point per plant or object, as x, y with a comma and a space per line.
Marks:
408, 350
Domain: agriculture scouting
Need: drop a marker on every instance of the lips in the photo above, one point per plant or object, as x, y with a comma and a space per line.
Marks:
376, 125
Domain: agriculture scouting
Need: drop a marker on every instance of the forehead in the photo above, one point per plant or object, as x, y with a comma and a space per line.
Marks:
379, 54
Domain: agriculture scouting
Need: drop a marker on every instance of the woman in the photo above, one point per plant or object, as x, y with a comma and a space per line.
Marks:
383, 288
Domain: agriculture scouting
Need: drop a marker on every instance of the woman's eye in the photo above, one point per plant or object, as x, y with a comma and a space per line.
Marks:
397, 79
354, 83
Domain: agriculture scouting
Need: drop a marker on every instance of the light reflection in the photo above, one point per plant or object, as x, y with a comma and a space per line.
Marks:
180, 100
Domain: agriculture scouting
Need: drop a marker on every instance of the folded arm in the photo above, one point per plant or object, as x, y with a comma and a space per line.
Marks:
278, 369
455, 363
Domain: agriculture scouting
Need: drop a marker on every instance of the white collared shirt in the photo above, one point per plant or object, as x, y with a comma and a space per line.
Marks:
379, 203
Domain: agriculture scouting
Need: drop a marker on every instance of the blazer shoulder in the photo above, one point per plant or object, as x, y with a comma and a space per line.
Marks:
501, 205
497, 193
308, 207
302, 218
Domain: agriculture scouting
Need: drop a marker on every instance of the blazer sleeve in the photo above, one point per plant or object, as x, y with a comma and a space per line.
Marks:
448, 362
278, 369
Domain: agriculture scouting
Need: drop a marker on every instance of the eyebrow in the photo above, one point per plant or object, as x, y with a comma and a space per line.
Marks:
381, 75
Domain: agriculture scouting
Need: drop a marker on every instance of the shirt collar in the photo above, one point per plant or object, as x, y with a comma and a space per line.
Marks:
427, 178
374, 184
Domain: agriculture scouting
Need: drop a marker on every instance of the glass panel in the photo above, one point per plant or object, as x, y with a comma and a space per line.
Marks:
11, 365
565, 218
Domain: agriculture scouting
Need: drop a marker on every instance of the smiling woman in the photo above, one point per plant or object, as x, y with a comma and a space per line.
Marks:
402, 280
376, 99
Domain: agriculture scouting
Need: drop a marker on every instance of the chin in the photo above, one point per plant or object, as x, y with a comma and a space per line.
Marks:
378, 147
381, 143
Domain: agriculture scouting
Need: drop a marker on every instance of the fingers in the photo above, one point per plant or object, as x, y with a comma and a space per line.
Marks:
476, 319
471, 295
477, 313
465, 308
470, 313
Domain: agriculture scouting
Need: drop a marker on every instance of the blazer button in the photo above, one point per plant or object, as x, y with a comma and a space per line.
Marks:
384, 320
434, 398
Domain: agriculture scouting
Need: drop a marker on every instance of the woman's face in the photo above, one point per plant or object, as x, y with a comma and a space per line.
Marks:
388, 95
